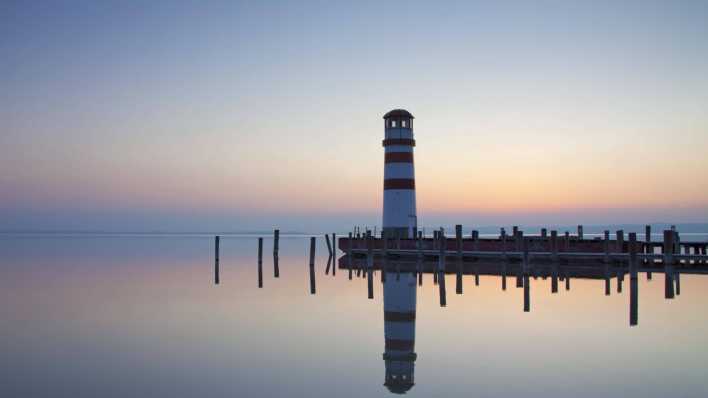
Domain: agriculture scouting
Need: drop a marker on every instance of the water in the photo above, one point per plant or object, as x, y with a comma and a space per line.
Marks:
117, 316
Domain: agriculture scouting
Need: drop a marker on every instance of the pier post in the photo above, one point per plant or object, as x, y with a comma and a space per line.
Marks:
522, 265
606, 247
503, 240
329, 246
648, 249
475, 240
544, 233
334, 254
458, 279
633, 282
620, 241
370, 266
554, 258
580, 232
504, 275
216, 260
527, 293
632, 255
441, 268
260, 263
312, 264
349, 255
276, 248
567, 281
276, 241
567, 242
668, 264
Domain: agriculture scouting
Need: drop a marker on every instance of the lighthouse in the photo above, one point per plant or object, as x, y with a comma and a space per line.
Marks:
399, 215
399, 331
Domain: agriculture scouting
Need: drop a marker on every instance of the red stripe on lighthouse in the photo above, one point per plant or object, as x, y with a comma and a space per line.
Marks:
398, 157
399, 183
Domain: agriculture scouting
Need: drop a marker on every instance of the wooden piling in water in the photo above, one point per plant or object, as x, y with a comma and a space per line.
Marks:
458, 278
554, 246
567, 281
606, 247
522, 268
349, 256
276, 248
260, 263
441, 268
276, 241
567, 241
580, 232
527, 293
334, 254
620, 241
312, 265
503, 239
632, 256
544, 233
216, 260
633, 301
668, 264
370, 266
648, 249
329, 246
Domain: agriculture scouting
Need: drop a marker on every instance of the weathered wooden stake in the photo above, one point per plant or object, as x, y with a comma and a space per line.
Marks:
260, 262
544, 233
441, 267
606, 247
334, 254
580, 232
632, 256
620, 241
668, 264
648, 249
312, 265
554, 246
349, 256
458, 279
216, 259
370, 266
329, 246
633, 301
567, 241
527, 293
276, 241
276, 248
567, 281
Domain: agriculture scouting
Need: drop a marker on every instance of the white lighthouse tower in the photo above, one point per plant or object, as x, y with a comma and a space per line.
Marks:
399, 328
399, 215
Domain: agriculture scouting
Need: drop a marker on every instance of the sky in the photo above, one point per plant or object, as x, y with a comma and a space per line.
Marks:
182, 116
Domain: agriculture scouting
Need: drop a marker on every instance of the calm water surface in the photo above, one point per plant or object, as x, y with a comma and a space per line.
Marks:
140, 316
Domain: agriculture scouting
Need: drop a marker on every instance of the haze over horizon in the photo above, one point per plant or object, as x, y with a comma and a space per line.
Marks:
226, 117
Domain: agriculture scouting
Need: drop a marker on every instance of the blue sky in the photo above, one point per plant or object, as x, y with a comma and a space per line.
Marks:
203, 115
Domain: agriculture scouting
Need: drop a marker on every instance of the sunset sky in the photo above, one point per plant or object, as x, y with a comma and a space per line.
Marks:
213, 116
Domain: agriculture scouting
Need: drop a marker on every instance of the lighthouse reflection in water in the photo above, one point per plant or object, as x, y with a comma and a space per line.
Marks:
399, 294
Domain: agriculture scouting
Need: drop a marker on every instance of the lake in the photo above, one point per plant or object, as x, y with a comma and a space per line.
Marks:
140, 315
